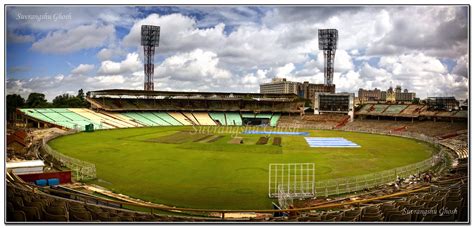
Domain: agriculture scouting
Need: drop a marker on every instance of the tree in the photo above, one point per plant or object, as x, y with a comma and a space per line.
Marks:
14, 101
80, 94
36, 100
67, 101
70, 101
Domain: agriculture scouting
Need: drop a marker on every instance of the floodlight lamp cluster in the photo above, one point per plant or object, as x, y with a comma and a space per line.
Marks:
327, 39
328, 44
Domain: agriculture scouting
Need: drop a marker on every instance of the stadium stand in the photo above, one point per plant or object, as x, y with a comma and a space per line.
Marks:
100, 122
446, 195
203, 118
167, 118
264, 115
395, 109
366, 108
191, 117
448, 192
412, 110
149, 116
248, 115
26, 205
379, 108
138, 117
181, 118
123, 118
274, 119
461, 114
218, 117
64, 117
233, 118
429, 128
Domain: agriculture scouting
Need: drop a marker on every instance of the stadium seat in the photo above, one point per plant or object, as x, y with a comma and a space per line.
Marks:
274, 119
399, 218
233, 118
181, 118
220, 117
203, 118
54, 218
19, 216
80, 216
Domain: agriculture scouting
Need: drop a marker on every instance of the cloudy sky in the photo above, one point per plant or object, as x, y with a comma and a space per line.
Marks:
56, 50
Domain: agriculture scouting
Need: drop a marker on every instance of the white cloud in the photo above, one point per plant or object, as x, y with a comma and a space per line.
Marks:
82, 37
197, 66
131, 64
285, 70
83, 69
409, 41
177, 33
110, 52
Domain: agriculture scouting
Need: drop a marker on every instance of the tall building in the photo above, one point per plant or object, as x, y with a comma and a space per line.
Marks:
304, 90
369, 95
307, 90
279, 85
391, 95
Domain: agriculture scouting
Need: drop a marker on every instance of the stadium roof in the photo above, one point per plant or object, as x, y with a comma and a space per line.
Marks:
126, 92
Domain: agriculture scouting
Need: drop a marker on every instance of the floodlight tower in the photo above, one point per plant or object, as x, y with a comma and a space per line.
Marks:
328, 44
150, 39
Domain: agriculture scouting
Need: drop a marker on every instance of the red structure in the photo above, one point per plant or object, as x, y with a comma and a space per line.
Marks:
63, 176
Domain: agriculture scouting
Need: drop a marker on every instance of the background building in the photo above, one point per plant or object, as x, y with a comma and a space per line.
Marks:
304, 90
369, 95
391, 95
279, 86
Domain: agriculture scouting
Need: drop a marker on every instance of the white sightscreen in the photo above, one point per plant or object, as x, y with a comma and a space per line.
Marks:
296, 180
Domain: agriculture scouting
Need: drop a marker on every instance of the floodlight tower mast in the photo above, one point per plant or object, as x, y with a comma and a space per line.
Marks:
150, 38
328, 44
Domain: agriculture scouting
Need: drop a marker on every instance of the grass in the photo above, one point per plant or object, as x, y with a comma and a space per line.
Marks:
220, 175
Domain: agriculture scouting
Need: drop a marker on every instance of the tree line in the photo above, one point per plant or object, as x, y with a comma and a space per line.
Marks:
38, 100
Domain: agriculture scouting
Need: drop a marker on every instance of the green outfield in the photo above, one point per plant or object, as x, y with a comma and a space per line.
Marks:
177, 166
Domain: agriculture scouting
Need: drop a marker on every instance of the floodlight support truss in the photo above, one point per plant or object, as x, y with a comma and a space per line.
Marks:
150, 36
329, 56
149, 67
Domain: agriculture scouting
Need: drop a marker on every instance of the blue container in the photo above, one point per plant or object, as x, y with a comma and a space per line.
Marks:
41, 182
53, 181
